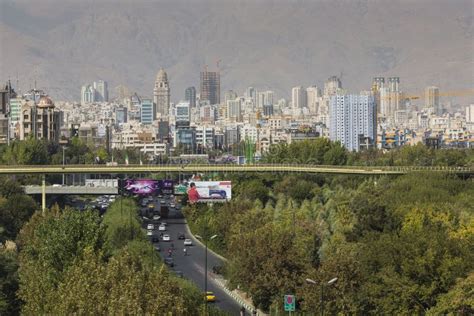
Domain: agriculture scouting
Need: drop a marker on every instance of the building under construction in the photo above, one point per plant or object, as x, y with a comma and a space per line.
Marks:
211, 86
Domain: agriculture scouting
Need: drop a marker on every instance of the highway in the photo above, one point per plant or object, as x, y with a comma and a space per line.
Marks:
192, 265
191, 168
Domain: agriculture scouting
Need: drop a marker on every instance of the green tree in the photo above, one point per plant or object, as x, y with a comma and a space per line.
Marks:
122, 224
9, 302
27, 152
48, 249
458, 301
15, 208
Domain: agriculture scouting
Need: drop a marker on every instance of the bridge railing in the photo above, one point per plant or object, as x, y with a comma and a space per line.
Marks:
248, 167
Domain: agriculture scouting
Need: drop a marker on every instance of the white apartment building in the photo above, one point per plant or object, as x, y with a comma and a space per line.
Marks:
298, 97
353, 120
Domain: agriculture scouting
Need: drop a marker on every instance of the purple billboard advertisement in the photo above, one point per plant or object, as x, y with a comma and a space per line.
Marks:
148, 186
141, 186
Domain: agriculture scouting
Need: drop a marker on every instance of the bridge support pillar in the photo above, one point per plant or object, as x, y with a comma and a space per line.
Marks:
43, 193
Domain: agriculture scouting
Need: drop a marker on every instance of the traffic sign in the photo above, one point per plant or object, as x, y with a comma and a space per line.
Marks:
289, 303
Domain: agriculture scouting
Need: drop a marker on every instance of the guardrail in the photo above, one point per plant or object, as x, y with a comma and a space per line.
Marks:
83, 189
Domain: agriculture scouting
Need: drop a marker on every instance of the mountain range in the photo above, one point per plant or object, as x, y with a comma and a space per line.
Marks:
262, 43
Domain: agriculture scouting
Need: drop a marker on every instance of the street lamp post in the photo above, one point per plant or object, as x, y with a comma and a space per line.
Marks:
330, 282
63, 162
205, 240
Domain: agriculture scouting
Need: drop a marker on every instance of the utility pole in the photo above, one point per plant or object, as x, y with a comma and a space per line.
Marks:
63, 163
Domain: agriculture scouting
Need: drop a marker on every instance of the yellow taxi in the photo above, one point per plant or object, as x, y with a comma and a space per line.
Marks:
210, 297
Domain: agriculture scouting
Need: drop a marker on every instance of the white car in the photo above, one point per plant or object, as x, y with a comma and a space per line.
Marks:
172, 205
156, 217
166, 237
162, 228
149, 233
188, 242
150, 226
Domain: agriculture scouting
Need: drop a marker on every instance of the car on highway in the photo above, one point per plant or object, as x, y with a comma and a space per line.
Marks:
181, 236
210, 296
162, 227
169, 262
188, 242
166, 237
150, 227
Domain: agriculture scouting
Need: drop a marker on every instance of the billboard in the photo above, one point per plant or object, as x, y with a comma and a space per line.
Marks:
166, 186
141, 187
214, 191
148, 186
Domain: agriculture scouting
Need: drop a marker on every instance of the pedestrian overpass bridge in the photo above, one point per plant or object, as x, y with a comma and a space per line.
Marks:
214, 168
199, 168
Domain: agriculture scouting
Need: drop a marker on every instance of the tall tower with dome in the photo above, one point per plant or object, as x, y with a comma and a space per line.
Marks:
161, 94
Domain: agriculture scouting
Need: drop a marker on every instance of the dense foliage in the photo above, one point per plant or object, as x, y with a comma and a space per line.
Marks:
398, 245
324, 152
41, 152
72, 262
75, 263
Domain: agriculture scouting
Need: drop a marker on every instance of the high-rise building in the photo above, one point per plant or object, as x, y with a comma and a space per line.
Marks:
251, 96
470, 113
353, 120
88, 94
211, 86
394, 93
229, 95
268, 97
147, 112
101, 91
183, 114
6, 95
268, 110
384, 105
432, 99
121, 115
378, 84
161, 94
15, 109
234, 110
312, 98
190, 96
332, 85
298, 97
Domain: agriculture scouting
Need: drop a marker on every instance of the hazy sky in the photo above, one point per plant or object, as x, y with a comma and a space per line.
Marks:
265, 44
